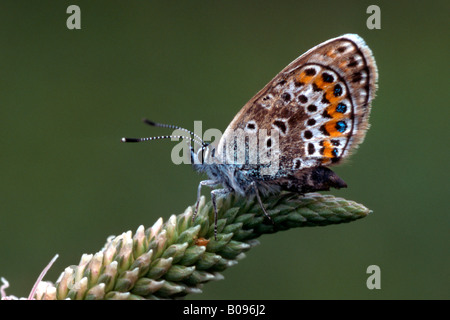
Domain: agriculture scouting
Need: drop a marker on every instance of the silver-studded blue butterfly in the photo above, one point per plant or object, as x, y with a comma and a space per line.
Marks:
313, 114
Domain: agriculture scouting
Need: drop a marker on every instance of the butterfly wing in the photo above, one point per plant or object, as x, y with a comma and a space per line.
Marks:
319, 104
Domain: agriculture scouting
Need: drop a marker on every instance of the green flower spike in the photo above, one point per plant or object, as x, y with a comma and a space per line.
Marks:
173, 259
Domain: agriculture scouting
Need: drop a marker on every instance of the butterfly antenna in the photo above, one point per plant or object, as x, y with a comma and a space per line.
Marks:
161, 137
171, 126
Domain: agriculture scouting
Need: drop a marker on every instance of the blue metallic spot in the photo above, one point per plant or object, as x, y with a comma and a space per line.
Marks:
337, 90
341, 108
335, 152
341, 126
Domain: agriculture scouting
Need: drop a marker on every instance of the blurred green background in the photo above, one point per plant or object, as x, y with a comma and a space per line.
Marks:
68, 96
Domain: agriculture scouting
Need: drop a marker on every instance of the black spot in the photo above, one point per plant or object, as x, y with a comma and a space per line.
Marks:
302, 98
281, 125
311, 148
352, 62
325, 114
321, 150
336, 143
326, 77
297, 164
251, 126
341, 108
286, 96
312, 108
324, 130
337, 90
325, 100
341, 126
334, 160
308, 134
282, 82
334, 152
310, 72
298, 83
269, 143
357, 77
316, 88
341, 49
266, 98
311, 122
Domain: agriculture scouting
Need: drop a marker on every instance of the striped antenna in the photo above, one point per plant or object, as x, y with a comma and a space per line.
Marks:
171, 126
159, 138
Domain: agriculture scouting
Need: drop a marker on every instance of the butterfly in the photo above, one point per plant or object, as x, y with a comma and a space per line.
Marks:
310, 116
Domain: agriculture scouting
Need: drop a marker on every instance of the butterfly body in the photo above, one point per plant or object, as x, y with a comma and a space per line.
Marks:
246, 180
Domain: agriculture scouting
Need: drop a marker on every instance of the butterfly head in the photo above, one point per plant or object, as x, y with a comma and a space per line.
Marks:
205, 153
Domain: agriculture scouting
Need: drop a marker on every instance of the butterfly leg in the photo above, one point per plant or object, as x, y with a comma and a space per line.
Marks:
214, 194
253, 186
209, 183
